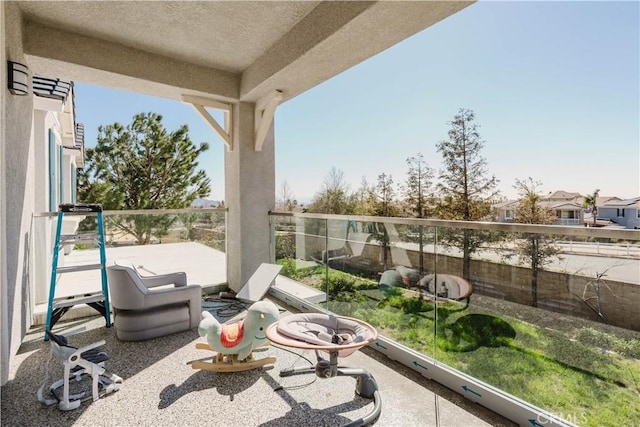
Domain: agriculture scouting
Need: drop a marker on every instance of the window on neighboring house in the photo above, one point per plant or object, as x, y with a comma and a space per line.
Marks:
53, 202
638, 213
620, 212
61, 169
568, 214
508, 214
74, 184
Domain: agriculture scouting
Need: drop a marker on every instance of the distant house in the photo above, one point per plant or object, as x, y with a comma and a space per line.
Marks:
588, 214
506, 211
567, 196
622, 212
567, 212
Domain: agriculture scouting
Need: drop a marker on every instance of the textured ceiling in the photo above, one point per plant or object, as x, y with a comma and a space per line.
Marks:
228, 50
225, 35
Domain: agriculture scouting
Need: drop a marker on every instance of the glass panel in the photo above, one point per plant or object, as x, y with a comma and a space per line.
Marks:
551, 319
298, 247
191, 240
541, 318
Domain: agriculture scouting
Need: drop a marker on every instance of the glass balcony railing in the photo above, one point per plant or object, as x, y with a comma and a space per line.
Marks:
156, 241
544, 315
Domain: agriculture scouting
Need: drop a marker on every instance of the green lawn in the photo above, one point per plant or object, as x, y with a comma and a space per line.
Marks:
587, 372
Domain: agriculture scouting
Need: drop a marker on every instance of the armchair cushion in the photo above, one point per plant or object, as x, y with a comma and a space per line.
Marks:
156, 322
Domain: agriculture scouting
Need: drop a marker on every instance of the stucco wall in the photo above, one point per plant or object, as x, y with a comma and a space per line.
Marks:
250, 194
4, 323
17, 164
630, 219
558, 292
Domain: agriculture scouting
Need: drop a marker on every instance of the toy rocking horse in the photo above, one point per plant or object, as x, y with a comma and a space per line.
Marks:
235, 342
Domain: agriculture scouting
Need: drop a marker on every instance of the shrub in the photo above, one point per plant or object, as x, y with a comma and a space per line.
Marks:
341, 287
289, 268
285, 246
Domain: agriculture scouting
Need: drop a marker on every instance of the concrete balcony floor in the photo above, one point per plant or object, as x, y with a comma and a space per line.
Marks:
160, 388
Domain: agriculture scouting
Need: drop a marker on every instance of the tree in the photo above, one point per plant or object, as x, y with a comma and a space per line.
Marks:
591, 295
385, 195
535, 249
417, 192
466, 189
286, 199
590, 201
384, 205
363, 199
143, 166
333, 198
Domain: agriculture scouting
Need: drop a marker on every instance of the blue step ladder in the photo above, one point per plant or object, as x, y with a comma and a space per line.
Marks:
99, 301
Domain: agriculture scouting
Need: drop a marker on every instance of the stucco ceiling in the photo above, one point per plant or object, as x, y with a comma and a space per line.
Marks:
232, 50
226, 35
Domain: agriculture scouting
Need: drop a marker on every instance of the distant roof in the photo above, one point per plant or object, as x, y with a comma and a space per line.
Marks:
560, 194
626, 202
506, 204
601, 200
550, 204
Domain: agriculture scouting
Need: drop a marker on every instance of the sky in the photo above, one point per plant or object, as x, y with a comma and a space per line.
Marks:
555, 87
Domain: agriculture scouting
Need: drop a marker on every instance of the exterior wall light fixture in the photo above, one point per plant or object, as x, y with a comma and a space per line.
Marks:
18, 76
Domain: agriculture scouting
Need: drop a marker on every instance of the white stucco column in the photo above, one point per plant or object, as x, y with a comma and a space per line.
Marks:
249, 196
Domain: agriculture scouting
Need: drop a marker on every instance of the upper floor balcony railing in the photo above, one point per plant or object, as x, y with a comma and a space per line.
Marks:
538, 315
569, 221
157, 241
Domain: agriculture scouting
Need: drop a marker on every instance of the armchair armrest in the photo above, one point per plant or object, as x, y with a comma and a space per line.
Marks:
178, 279
166, 296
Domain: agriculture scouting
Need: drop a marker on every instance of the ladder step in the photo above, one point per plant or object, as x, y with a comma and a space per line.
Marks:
72, 238
77, 299
73, 268
79, 207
